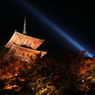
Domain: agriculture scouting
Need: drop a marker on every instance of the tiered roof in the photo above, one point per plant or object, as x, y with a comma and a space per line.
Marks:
23, 54
21, 40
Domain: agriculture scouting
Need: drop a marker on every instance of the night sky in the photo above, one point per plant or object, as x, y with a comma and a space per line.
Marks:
77, 19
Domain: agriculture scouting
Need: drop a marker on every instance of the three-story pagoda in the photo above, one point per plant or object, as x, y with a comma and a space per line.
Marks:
23, 47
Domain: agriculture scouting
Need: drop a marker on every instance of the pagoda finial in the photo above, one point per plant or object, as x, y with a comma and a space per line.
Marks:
24, 27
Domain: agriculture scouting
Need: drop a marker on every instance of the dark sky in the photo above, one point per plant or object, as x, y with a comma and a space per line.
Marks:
77, 19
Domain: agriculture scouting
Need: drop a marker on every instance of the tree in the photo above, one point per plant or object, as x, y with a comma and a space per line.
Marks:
68, 73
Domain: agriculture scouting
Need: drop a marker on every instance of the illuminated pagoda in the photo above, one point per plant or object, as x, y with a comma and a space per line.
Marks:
23, 47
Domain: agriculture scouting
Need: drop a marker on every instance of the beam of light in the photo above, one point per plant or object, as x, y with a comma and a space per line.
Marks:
58, 30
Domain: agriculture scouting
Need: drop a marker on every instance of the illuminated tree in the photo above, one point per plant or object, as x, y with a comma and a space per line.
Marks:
67, 73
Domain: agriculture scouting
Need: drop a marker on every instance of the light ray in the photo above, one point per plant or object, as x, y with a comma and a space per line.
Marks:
53, 26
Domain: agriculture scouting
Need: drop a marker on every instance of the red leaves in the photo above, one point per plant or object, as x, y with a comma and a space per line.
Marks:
29, 67
21, 79
57, 73
1, 61
56, 76
59, 70
16, 68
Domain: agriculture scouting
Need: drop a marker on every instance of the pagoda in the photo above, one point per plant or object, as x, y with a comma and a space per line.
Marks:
23, 47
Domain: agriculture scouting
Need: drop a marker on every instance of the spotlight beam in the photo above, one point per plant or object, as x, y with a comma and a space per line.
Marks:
58, 30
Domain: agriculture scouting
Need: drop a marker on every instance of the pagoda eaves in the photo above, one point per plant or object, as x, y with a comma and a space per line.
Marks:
18, 52
21, 39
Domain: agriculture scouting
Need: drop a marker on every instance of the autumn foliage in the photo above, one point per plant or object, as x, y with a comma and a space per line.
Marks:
69, 73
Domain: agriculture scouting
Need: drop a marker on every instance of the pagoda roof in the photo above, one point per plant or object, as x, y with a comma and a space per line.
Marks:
17, 38
16, 48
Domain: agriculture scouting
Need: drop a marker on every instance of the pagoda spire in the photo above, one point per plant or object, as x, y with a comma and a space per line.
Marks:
24, 26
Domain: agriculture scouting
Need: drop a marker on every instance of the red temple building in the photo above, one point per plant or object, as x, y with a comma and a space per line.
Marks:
23, 47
